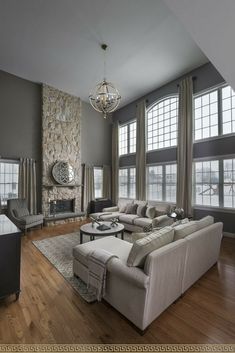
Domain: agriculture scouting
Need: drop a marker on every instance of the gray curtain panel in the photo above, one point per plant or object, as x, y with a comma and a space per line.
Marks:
27, 183
140, 151
107, 182
115, 161
185, 146
89, 189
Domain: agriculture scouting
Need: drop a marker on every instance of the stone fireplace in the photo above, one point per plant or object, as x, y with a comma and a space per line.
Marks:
61, 119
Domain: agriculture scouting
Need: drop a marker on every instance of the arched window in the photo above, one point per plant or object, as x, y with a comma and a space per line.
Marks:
162, 121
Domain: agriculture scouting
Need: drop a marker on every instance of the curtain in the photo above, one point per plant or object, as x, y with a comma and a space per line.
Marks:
107, 182
140, 152
27, 183
185, 146
88, 187
115, 161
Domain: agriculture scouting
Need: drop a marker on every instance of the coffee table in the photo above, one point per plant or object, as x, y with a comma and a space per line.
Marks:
91, 230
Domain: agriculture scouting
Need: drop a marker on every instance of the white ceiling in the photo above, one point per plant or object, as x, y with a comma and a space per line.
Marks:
57, 42
211, 24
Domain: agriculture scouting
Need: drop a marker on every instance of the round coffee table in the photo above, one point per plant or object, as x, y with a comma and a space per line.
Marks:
91, 230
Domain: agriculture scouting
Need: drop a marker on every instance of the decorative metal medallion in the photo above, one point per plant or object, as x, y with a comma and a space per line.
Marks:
63, 173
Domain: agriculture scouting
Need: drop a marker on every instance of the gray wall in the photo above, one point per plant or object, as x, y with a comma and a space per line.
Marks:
95, 137
20, 120
206, 77
20, 126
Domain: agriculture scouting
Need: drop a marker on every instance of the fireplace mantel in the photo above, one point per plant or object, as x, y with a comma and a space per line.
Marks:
51, 186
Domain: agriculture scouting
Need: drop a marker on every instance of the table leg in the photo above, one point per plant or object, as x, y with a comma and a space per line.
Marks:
122, 234
81, 236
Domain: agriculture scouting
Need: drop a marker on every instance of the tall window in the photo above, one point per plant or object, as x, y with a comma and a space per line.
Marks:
206, 115
229, 182
162, 120
207, 183
214, 113
127, 182
161, 182
127, 138
98, 182
9, 174
228, 110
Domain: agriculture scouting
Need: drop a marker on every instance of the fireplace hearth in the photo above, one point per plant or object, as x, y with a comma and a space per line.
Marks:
62, 206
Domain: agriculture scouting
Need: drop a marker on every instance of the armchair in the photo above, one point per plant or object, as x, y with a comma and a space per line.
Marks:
18, 213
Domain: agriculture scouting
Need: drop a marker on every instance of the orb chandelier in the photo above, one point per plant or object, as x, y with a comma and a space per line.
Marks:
105, 98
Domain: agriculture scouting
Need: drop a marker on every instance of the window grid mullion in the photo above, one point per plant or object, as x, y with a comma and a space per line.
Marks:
163, 182
221, 183
220, 114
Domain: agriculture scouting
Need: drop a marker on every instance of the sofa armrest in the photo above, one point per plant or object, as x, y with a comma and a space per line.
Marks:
162, 221
111, 209
133, 275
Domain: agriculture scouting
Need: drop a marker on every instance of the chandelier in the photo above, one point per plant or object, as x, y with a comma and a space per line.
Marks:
105, 98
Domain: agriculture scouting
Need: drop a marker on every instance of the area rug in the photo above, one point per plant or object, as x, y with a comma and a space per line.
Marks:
59, 251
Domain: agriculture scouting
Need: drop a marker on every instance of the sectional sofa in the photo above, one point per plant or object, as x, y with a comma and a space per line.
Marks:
140, 284
136, 215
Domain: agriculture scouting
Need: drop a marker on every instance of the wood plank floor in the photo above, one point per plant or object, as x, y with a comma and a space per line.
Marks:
50, 311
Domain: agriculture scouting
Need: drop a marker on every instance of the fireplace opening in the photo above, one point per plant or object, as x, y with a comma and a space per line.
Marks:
62, 206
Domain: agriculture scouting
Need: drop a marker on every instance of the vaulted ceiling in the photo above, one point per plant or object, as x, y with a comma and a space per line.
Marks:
58, 42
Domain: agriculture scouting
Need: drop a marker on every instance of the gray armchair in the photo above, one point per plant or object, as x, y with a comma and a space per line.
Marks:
17, 211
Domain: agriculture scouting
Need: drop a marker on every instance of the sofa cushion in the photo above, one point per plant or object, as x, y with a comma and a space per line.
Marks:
141, 210
150, 212
122, 204
161, 208
131, 208
142, 221
142, 247
128, 218
20, 212
205, 222
122, 208
111, 244
183, 230
108, 217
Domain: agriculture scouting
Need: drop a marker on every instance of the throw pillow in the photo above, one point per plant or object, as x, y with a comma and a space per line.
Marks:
136, 236
142, 247
141, 210
183, 230
131, 208
205, 222
21, 212
150, 212
122, 209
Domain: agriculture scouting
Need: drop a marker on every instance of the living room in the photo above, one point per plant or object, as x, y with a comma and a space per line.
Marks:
143, 169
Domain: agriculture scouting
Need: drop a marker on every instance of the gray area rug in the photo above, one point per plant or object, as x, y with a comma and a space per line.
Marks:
59, 251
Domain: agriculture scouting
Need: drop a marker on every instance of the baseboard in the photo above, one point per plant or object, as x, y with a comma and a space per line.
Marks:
229, 235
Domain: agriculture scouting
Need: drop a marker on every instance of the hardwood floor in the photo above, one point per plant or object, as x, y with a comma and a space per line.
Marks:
50, 311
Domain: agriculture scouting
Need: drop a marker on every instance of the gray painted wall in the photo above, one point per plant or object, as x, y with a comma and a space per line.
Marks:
95, 137
20, 126
206, 77
20, 120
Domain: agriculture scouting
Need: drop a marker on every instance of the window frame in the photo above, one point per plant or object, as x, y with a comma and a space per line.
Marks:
10, 161
219, 208
158, 101
163, 165
128, 182
102, 180
128, 138
220, 115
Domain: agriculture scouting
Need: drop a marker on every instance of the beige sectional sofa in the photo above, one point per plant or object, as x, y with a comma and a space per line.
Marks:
142, 292
135, 222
